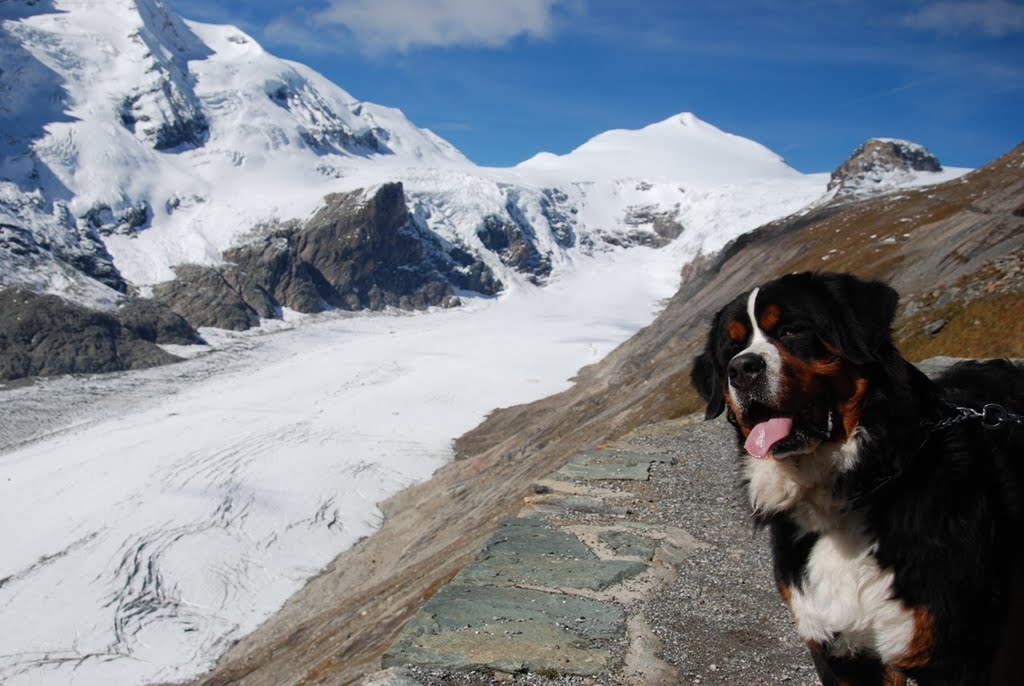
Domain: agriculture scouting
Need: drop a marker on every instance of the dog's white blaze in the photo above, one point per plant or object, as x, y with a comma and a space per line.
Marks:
847, 598
761, 346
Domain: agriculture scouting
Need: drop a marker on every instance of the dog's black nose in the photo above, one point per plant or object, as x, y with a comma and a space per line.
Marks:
745, 370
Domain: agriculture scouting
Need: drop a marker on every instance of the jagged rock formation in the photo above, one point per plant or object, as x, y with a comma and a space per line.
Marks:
356, 253
514, 243
153, 321
873, 165
108, 221
47, 335
34, 232
664, 223
321, 129
164, 110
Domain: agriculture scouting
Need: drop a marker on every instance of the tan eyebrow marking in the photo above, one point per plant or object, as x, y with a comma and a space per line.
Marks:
769, 319
737, 330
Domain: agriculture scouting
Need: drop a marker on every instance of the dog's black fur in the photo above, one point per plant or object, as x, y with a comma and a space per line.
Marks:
886, 476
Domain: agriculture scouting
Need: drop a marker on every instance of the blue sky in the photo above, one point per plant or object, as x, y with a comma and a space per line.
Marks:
810, 79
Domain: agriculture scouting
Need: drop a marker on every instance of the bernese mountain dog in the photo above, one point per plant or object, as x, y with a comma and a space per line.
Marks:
895, 503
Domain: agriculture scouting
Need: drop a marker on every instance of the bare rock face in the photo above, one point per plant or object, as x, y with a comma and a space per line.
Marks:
879, 160
44, 335
513, 242
356, 253
225, 297
372, 255
163, 110
153, 321
664, 224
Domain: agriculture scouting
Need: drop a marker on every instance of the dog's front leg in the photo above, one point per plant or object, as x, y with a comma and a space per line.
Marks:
852, 671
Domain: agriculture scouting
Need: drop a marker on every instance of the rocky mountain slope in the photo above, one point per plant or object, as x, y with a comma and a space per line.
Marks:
351, 254
954, 251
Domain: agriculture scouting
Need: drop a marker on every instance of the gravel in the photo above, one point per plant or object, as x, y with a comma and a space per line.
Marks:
720, 620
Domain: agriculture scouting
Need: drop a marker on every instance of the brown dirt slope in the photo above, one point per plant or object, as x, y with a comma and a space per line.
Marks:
955, 252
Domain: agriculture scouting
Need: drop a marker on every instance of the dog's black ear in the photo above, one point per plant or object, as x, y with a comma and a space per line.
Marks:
708, 382
864, 312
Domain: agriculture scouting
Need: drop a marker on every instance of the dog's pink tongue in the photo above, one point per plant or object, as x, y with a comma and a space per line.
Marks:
766, 434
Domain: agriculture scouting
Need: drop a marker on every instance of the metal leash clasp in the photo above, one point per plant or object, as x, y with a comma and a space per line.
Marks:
993, 416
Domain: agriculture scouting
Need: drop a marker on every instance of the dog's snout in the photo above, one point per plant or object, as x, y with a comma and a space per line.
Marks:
745, 370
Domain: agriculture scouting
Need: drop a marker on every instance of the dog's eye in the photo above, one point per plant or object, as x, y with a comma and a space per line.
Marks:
788, 331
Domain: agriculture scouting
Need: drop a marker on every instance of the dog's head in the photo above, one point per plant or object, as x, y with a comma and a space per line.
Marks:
789, 359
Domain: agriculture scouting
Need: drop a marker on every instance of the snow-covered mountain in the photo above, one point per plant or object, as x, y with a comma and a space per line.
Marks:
146, 155
709, 156
136, 141
123, 120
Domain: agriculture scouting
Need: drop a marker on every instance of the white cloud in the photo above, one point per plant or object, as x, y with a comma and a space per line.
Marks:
993, 18
401, 25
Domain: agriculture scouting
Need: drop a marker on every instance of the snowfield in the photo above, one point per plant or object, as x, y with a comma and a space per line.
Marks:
165, 513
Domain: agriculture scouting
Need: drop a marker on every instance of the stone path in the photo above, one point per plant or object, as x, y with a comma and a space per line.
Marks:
631, 565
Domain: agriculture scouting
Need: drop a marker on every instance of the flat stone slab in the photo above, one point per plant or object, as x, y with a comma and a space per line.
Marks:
592, 575
544, 648
578, 503
530, 552
625, 456
599, 470
508, 629
523, 537
626, 543
457, 607
528, 602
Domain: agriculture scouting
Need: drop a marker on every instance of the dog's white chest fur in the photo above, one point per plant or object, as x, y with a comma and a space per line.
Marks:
846, 598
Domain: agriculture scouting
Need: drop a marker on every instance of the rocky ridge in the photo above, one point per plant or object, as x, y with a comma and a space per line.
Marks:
359, 251
44, 335
878, 164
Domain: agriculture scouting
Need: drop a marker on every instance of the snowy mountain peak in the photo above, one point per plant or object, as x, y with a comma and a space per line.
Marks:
123, 120
682, 147
138, 141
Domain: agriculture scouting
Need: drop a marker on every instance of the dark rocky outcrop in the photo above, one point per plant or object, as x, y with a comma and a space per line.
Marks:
44, 335
324, 131
356, 253
371, 254
664, 224
163, 110
879, 158
561, 216
77, 244
153, 321
514, 243
224, 297
126, 222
